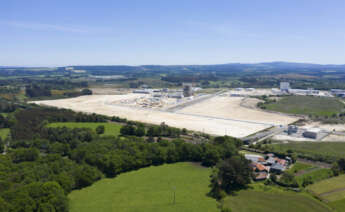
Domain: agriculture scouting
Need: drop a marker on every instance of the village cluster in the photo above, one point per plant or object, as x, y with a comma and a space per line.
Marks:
264, 165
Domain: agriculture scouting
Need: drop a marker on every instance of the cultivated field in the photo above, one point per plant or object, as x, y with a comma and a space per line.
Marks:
270, 199
217, 116
109, 128
149, 189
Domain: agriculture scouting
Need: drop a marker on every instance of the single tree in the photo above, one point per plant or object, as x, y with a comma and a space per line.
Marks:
100, 129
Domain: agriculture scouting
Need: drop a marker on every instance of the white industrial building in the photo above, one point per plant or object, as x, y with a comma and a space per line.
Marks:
338, 92
285, 86
143, 91
308, 92
176, 95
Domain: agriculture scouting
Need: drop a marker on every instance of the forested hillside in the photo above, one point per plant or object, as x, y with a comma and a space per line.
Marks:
41, 165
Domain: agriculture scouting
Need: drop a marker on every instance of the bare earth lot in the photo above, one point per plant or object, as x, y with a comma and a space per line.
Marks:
218, 115
230, 107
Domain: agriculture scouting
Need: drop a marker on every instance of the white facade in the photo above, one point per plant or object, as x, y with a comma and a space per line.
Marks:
284, 86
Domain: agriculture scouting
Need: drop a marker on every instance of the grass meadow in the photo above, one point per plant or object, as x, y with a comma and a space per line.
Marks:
110, 128
331, 190
149, 189
307, 105
328, 185
267, 198
315, 175
326, 149
298, 166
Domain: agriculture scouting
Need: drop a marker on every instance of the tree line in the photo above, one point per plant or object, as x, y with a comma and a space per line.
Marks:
42, 164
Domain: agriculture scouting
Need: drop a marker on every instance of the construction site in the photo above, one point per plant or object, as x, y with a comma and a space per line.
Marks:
232, 112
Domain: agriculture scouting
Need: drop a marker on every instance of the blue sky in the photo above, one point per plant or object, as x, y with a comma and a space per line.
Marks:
83, 32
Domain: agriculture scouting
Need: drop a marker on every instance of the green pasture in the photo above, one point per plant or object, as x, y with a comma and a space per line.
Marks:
324, 149
298, 166
307, 105
268, 198
110, 128
149, 189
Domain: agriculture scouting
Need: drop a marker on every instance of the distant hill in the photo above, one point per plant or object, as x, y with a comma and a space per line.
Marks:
236, 68
268, 65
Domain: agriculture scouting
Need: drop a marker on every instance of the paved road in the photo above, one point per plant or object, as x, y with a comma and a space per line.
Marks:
192, 102
226, 119
260, 136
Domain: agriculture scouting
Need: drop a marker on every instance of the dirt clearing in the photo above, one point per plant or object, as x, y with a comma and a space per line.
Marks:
217, 116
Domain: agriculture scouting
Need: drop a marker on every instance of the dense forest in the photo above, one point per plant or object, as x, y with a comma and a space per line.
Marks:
42, 165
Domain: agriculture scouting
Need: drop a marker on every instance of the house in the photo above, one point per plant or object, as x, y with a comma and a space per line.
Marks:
261, 160
271, 160
260, 176
259, 167
282, 161
270, 155
277, 168
253, 158
289, 159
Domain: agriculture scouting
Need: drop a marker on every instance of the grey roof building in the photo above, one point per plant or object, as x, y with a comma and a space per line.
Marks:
277, 168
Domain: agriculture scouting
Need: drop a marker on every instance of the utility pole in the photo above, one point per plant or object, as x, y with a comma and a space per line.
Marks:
174, 189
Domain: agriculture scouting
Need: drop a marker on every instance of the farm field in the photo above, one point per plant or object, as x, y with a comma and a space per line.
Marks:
313, 149
331, 190
225, 123
271, 199
149, 189
307, 105
110, 128
4, 133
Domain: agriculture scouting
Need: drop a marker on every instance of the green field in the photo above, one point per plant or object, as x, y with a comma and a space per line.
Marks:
4, 133
307, 105
315, 175
298, 166
339, 205
328, 185
331, 190
110, 128
273, 199
149, 189
332, 150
